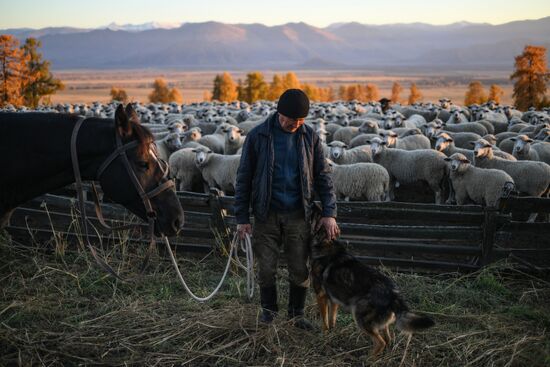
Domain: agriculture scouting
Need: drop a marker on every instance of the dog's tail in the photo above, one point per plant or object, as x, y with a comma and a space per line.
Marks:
408, 321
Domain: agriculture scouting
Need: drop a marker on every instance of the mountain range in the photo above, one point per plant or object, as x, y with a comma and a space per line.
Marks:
215, 45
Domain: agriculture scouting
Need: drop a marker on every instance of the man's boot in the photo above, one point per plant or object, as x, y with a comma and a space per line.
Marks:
268, 301
296, 301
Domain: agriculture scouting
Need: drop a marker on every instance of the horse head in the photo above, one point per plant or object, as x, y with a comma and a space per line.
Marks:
135, 177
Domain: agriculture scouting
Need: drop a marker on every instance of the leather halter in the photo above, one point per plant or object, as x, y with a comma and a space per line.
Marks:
119, 152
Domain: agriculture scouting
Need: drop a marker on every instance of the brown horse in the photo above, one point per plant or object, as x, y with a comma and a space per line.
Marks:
36, 152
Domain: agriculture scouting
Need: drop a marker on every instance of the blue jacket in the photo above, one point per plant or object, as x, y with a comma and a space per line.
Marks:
255, 173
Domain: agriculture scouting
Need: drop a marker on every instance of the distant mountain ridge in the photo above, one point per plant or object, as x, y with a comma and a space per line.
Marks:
292, 45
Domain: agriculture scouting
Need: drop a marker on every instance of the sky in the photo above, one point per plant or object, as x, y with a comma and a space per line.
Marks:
320, 13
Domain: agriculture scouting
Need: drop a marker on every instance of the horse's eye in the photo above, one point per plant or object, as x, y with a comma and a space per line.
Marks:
143, 164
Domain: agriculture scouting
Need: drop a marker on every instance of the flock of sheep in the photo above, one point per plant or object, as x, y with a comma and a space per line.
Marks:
476, 154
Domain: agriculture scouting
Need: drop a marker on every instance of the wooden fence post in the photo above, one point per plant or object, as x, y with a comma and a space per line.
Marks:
489, 234
217, 221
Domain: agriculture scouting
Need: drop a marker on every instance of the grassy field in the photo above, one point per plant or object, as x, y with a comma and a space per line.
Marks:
58, 308
94, 85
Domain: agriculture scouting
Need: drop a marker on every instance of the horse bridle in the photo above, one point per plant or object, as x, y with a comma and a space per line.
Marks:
146, 197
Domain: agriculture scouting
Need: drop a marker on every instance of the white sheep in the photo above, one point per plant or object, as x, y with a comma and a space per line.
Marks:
340, 154
525, 150
414, 141
360, 181
482, 186
218, 170
408, 166
168, 145
216, 141
531, 178
184, 170
233, 139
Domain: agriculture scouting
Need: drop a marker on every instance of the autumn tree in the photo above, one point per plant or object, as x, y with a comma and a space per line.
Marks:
13, 65
290, 81
312, 91
162, 94
38, 81
530, 75
415, 94
255, 87
119, 94
225, 89
240, 90
495, 93
396, 90
371, 93
276, 88
475, 94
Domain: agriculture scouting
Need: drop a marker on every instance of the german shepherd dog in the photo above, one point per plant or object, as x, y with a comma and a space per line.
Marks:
339, 279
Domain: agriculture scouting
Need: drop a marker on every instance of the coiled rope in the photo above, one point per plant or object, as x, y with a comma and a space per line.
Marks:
245, 246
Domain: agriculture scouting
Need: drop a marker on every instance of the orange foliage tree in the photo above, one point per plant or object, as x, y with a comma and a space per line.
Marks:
162, 94
13, 70
396, 90
415, 94
475, 94
495, 93
372, 93
225, 89
530, 75
119, 94
255, 88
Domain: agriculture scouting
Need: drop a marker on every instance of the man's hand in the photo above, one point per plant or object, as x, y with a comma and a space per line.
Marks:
331, 228
244, 228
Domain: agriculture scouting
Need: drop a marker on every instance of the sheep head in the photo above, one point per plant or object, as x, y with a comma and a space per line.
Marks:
458, 162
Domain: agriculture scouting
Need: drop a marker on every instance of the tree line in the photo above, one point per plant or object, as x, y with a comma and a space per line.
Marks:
25, 78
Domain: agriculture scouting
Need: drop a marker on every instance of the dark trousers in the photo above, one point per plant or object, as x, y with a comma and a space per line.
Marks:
288, 231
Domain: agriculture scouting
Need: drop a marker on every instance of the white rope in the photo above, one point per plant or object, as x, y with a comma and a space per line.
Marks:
246, 246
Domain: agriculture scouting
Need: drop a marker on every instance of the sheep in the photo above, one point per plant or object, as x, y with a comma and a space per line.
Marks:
168, 145
248, 125
531, 178
472, 127
525, 150
445, 144
361, 140
193, 134
215, 141
456, 117
482, 186
184, 170
407, 166
409, 142
360, 181
340, 154
218, 170
233, 139
345, 134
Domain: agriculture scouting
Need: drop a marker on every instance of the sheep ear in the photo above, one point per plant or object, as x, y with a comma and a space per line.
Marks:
381, 134
513, 139
529, 140
194, 150
346, 146
383, 143
241, 131
473, 143
467, 161
199, 129
368, 141
447, 159
208, 151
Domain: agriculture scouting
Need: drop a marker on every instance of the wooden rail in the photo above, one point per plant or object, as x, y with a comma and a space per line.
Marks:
403, 235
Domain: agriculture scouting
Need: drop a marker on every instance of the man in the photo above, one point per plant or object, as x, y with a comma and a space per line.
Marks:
282, 165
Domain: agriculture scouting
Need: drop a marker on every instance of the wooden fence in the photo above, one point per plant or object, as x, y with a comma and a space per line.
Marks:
395, 234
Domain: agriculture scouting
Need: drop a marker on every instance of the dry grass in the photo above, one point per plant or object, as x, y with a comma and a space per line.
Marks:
86, 86
62, 310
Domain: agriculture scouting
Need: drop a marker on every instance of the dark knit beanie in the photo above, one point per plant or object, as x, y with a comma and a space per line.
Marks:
293, 103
